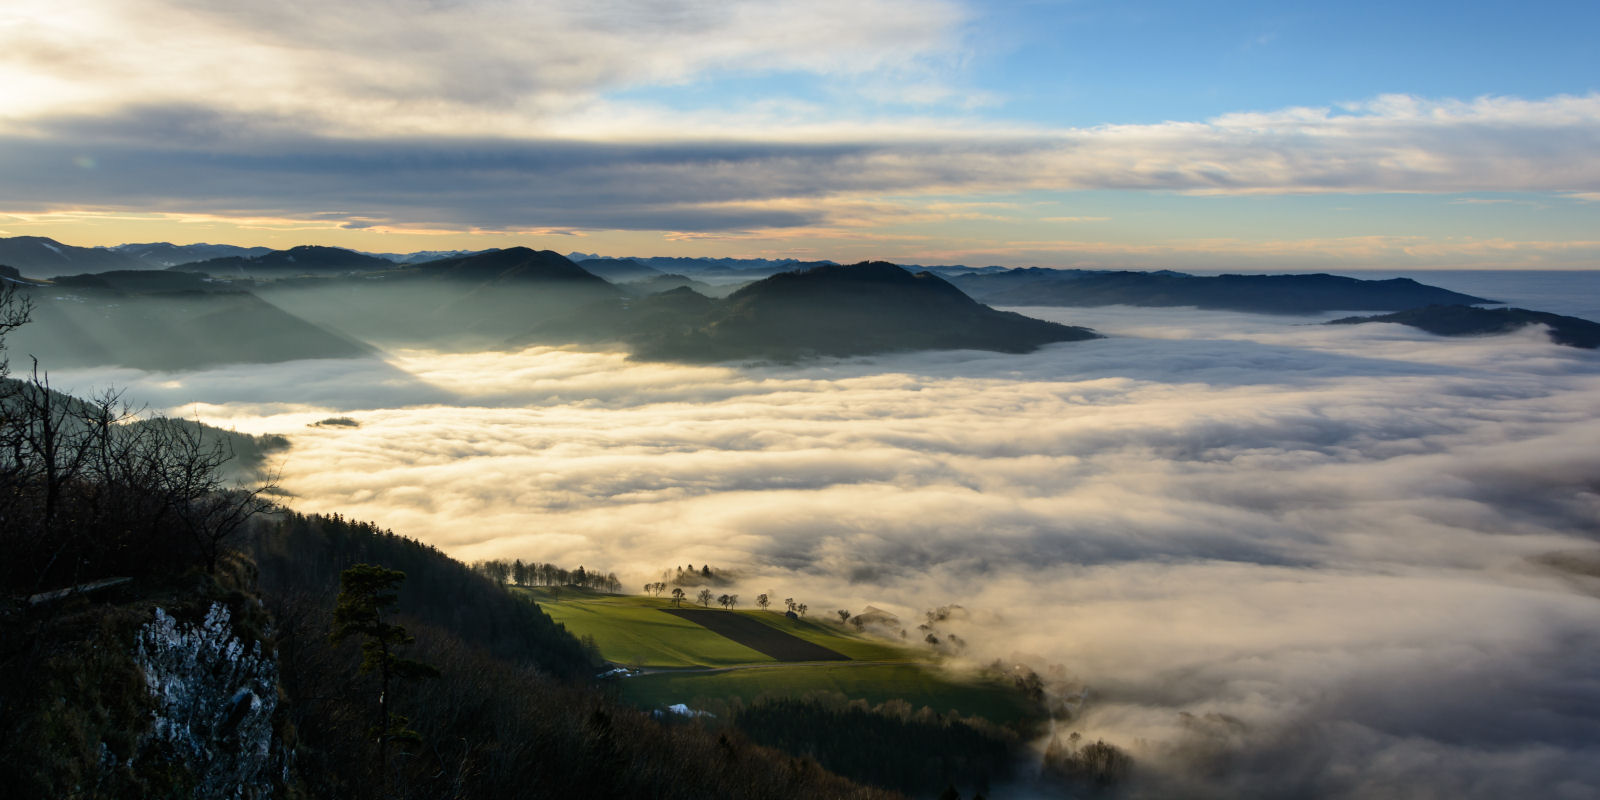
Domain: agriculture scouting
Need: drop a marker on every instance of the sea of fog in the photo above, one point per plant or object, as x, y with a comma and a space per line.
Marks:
1282, 558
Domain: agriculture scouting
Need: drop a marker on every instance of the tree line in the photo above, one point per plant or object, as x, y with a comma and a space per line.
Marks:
535, 573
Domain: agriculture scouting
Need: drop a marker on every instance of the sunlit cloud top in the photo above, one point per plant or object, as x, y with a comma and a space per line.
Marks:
1092, 132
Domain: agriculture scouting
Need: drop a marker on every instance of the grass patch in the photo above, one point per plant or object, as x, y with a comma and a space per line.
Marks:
629, 629
633, 631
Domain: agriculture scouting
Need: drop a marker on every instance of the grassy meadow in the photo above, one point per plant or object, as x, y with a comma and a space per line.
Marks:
683, 662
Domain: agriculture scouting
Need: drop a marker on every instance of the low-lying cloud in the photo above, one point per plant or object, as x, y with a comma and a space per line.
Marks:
1284, 559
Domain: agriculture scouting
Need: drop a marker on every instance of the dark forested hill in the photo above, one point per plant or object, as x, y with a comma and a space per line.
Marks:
302, 260
139, 281
1271, 294
831, 310
1469, 321
515, 264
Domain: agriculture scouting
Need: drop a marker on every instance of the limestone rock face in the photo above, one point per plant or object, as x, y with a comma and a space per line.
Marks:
215, 698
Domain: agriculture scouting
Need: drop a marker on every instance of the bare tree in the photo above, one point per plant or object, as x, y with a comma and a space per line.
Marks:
844, 616
801, 609
763, 601
677, 596
704, 597
91, 488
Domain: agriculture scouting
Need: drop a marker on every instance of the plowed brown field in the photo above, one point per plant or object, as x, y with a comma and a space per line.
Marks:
757, 636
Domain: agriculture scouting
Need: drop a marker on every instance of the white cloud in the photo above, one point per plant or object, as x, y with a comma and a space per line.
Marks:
413, 65
835, 180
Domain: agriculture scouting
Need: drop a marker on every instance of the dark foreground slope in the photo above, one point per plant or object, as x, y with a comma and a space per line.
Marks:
142, 654
1271, 294
1469, 321
256, 700
830, 310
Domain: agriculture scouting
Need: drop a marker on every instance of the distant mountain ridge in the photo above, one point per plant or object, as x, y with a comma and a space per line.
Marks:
1291, 294
43, 257
162, 254
1460, 320
302, 259
1270, 294
693, 264
38, 256
619, 270
421, 256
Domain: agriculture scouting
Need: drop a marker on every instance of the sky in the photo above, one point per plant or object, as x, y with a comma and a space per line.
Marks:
1258, 135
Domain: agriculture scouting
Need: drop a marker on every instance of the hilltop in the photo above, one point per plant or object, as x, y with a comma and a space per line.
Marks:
828, 310
1469, 321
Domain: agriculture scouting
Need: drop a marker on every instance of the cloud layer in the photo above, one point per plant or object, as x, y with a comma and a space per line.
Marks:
1284, 559
420, 66
187, 158
767, 127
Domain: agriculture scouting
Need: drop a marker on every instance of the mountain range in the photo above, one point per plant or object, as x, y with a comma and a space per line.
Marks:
1270, 294
42, 257
251, 304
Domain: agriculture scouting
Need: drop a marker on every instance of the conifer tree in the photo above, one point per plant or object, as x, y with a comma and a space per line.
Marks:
365, 592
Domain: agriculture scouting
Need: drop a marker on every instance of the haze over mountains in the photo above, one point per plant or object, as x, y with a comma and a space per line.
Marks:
252, 305
328, 302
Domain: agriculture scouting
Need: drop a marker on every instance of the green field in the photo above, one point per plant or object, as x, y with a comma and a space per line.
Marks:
676, 655
633, 632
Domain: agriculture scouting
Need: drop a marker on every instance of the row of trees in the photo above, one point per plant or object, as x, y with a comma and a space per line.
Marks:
534, 573
727, 601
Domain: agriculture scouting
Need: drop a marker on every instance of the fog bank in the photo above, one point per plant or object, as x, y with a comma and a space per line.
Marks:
1283, 558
